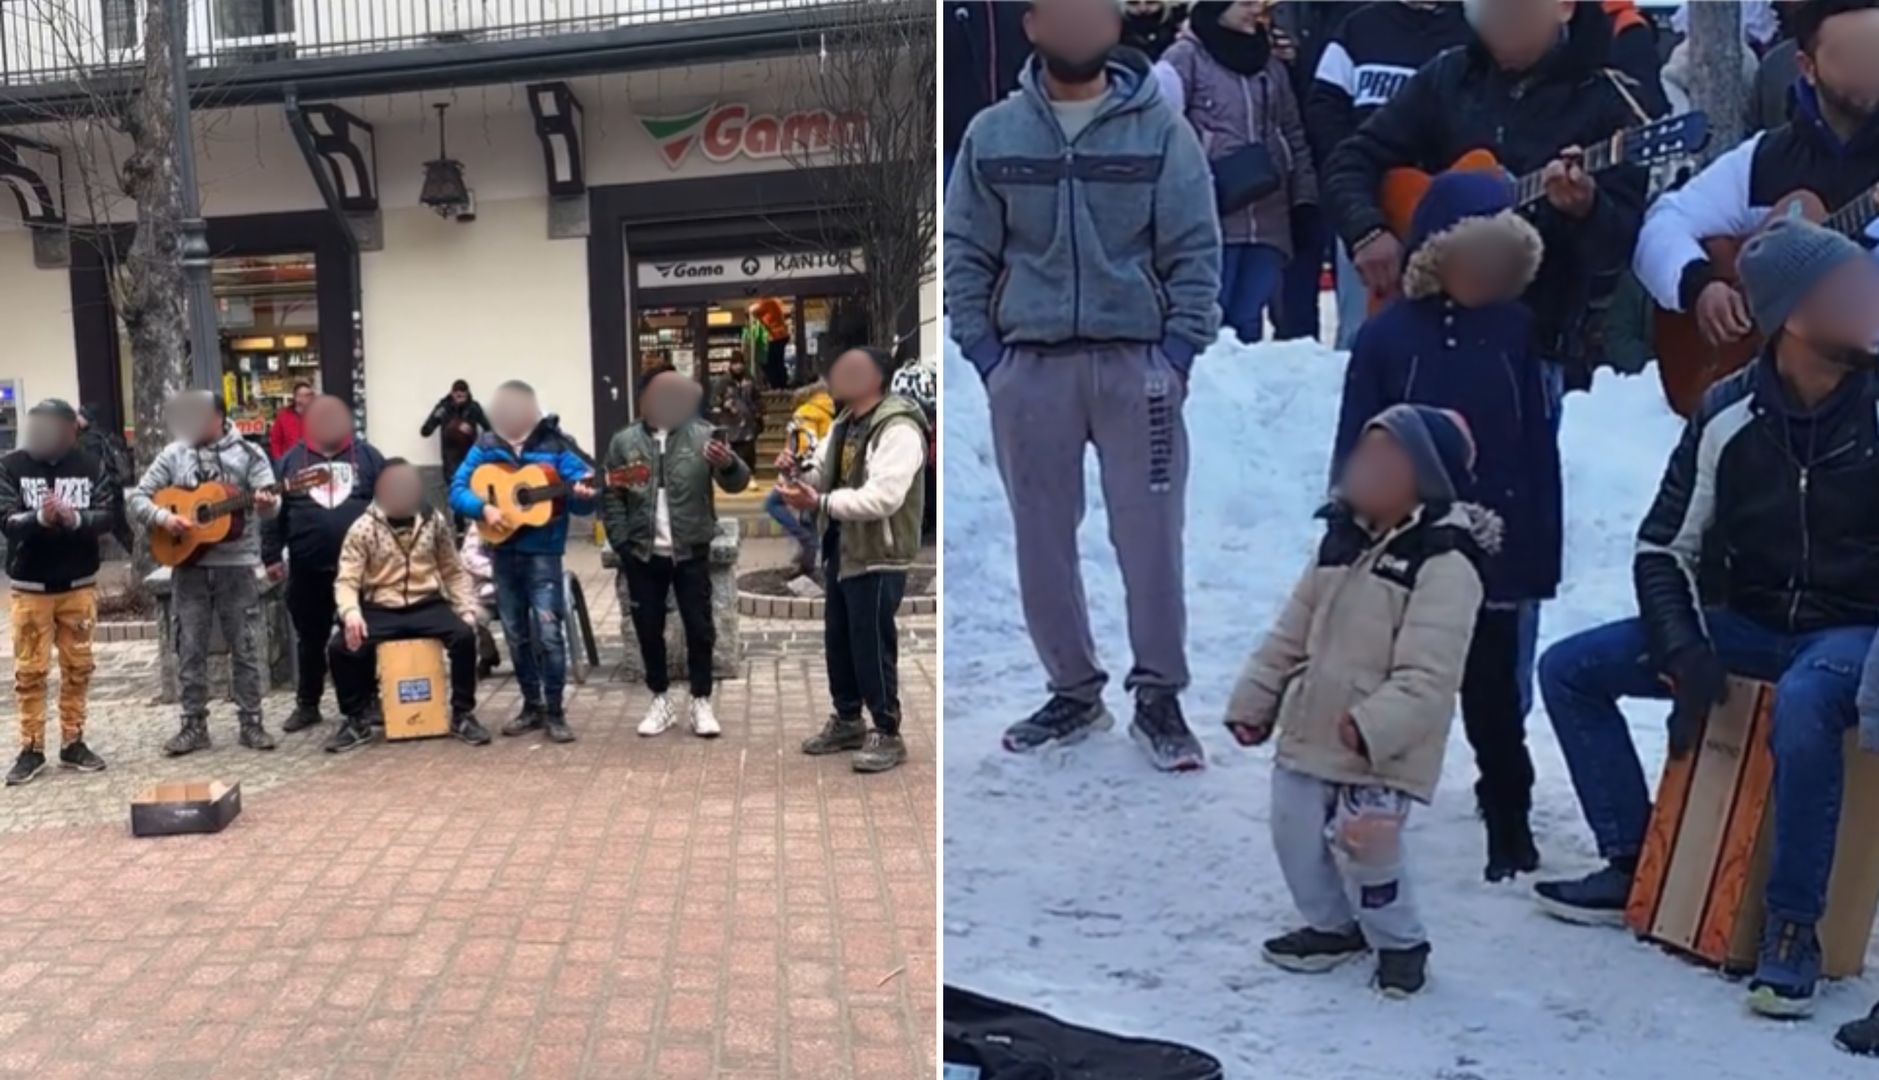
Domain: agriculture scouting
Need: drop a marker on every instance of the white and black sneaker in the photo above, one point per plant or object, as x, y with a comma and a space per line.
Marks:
1061, 722
1162, 733
29, 765
1313, 951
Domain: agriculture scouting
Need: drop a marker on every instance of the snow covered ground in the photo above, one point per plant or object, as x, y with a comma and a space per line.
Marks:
1085, 883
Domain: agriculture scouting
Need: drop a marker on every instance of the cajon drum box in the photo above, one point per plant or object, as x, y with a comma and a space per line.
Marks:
412, 690
1705, 861
191, 806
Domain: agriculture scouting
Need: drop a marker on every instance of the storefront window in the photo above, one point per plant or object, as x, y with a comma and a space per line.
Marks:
267, 313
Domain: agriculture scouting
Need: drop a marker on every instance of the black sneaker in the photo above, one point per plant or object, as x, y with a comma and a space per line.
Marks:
880, 753
29, 765
1061, 722
1163, 734
302, 718
76, 755
1511, 850
254, 736
1860, 1036
1402, 972
193, 736
556, 724
531, 718
354, 732
1312, 951
465, 726
1597, 899
840, 733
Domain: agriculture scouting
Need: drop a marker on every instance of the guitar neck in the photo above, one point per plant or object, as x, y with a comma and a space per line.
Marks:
1852, 219
1531, 188
235, 504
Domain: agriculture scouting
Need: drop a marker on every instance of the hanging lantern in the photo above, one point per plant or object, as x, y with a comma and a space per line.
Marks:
444, 188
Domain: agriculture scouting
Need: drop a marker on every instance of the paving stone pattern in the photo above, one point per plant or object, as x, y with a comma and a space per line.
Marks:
621, 907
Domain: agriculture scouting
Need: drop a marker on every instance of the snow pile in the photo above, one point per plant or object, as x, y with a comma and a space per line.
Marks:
1083, 882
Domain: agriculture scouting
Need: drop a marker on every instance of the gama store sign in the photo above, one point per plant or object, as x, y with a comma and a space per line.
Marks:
740, 269
724, 133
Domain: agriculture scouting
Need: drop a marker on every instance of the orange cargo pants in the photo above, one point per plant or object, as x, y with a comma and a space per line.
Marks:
40, 622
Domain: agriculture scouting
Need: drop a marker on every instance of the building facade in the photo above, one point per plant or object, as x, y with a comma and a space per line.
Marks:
636, 180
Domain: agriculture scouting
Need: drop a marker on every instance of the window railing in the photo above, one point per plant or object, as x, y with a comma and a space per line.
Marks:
56, 40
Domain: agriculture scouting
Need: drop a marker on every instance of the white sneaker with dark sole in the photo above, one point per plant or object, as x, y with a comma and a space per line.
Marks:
704, 721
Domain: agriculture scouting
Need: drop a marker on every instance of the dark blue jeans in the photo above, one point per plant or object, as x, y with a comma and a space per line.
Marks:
1249, 279
1816, 677
534, 608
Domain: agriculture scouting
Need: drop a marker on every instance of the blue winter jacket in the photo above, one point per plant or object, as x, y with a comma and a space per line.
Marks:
547, 446
1480, 363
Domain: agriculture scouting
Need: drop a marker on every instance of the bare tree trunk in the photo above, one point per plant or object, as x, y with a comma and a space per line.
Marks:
154, 293
1717, 87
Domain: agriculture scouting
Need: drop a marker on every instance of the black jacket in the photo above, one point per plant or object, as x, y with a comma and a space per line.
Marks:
312, 524
54, 559
984, 48
1463, 101
1374, 53
1154, 32
446, 410
1785, 500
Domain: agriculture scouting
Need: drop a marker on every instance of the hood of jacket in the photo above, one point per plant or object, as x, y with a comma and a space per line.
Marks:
1131, 89
548, 427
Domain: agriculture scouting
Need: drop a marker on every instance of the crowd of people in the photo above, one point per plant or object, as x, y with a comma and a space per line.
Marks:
1126, 179
364, 559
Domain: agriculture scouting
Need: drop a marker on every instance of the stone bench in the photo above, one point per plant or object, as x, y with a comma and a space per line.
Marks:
273, 636
727, 661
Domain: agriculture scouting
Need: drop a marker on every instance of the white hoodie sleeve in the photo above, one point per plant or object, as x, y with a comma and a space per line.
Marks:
893, 463
1714, 203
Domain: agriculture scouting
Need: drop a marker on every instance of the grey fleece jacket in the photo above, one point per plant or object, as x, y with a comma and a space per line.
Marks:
231, 460
1112, 237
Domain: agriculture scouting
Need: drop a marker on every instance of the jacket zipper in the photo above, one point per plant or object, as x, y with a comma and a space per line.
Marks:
1801, 576
1070, 203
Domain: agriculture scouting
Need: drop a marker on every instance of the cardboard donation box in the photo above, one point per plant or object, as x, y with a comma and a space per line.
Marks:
412, 690
192, 806
1706, 855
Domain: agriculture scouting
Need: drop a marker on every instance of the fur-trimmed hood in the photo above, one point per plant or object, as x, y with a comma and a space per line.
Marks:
1422, 272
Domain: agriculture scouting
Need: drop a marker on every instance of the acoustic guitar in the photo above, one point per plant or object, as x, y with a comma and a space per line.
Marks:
1687, 364
1403, 188
529, 496
217, 513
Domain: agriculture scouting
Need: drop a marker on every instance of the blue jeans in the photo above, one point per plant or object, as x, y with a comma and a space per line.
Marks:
1815, 675
792, 522
1249, 279
1295, 304
1869, 702
534, 609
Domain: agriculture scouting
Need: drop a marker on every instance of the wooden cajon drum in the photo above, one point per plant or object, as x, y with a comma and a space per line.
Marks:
1705, 861
412, 690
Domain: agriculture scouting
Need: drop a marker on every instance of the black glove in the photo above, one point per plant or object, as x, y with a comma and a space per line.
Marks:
1698, 683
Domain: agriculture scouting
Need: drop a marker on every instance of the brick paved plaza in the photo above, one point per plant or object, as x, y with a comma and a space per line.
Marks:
620, 907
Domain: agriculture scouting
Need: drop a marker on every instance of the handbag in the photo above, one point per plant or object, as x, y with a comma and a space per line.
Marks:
1244, 177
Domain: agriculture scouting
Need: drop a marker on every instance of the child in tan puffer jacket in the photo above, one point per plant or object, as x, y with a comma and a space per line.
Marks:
1359, 676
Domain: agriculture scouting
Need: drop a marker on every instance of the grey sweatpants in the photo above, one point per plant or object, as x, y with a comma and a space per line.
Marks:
201, 598
1341, 850
1047, 406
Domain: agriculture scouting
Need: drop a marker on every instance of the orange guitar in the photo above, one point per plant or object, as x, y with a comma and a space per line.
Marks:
529, 496
1687, 363
218, 514
1402, 189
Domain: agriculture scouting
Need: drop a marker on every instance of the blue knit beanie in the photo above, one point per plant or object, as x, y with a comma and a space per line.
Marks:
1781, 264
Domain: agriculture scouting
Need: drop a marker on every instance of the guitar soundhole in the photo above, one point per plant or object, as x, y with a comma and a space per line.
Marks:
524, 498
202, 515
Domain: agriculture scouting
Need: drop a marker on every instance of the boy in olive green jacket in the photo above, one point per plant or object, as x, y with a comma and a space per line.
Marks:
660, 513
866, 492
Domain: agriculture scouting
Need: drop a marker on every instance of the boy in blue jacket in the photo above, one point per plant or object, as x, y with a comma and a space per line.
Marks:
1460, 340
527, 569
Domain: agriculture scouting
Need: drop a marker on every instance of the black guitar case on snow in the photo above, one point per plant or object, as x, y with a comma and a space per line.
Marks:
1009, 1042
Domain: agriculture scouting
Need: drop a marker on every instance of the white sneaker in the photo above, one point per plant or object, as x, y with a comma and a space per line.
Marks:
658, 717
704, 721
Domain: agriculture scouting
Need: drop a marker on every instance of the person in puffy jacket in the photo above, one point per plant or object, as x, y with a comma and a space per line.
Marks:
1774, 479
1358, 677
1222, 75
1461, 340
529, 574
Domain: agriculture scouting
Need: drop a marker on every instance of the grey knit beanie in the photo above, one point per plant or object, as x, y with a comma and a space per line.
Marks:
1782, 264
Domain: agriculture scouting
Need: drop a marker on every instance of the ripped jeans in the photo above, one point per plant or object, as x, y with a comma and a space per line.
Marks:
534, 607
1340, 847
1816, 677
